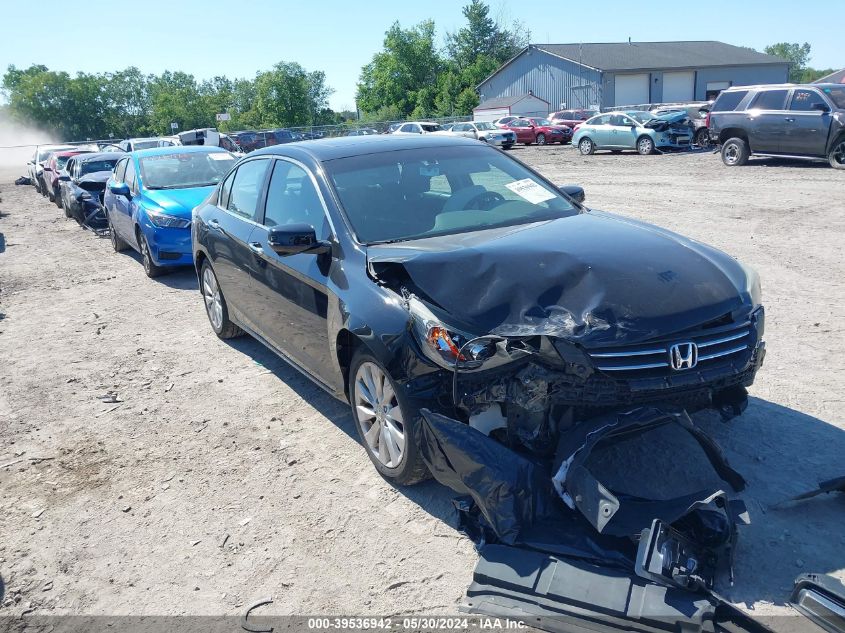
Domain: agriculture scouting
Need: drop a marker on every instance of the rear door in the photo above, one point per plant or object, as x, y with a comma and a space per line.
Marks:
623, 132
807, 128
292, 291
598, 129
767, 120
230, 225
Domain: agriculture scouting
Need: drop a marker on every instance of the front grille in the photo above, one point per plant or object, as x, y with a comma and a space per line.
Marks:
654, 358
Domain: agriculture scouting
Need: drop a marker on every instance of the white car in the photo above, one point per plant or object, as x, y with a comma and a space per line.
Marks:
485, 131
132, 144
419, 127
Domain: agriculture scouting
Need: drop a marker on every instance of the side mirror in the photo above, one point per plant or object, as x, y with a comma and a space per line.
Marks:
120, 189
822, 107
293, 239
574, 191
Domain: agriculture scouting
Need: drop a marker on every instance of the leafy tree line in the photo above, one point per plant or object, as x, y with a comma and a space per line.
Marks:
799, 55
128, 103
412, 77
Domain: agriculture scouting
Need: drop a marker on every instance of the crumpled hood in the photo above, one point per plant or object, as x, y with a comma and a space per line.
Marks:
178, 202
98, 177
594, 277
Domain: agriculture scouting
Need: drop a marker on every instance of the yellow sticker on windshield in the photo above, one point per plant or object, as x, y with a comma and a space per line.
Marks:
530, 190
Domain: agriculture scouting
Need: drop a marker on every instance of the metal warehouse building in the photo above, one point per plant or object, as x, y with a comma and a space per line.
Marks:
629, 73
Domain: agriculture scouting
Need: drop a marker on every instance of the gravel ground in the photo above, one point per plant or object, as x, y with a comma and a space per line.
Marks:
213, 474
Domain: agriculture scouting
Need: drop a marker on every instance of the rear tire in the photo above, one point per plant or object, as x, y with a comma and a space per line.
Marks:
837, 154
57, 198
735, 152
385, 421
216, 308
645, 146
586, 146
541, 139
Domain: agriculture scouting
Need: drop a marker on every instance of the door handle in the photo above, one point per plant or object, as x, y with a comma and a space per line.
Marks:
790, 119
256, 248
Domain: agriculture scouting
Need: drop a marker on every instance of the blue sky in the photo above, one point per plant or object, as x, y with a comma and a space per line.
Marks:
215, 37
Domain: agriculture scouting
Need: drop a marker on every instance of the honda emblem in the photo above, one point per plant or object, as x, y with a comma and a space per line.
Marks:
683, 356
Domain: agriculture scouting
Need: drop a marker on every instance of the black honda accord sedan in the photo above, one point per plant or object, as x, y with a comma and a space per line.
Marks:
409, 272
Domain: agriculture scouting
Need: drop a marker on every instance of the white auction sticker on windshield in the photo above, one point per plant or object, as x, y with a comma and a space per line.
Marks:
220, 156
530, 190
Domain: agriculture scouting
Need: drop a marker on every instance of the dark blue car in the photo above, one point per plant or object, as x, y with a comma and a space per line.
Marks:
150, 196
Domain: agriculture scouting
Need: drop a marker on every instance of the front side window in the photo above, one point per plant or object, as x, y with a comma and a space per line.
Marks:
130, 179
293, 199
185, 170
484, 126
401, 195
604, 119
805, 100
769, 100
120, 170
246, 188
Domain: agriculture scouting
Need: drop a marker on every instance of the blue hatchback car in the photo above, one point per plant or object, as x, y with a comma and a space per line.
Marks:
150, 196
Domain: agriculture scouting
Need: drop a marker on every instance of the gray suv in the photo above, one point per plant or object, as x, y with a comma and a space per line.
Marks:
786, 120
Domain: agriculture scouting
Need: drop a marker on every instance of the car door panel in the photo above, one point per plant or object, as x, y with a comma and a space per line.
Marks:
807, 129
767, 120
292, 291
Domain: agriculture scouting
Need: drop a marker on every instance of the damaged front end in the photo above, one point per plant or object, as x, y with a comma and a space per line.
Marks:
529, 390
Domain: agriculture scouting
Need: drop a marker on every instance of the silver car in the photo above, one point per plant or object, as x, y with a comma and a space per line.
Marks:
485, 131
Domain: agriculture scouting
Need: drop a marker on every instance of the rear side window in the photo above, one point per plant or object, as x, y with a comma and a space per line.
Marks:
769, 100
246, 188
728, 101
804, 100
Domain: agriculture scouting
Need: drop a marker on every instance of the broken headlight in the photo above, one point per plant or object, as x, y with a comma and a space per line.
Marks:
445, 345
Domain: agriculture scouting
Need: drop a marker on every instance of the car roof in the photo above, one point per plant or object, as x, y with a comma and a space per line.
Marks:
346, 146
70, 152
84, 158
178, 149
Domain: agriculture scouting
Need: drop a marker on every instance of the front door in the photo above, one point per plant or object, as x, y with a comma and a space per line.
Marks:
807, 127
291, 291
623, 132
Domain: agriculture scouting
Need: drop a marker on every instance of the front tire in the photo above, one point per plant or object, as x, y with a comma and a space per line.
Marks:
735, 152
702, 138
645, 146
216, 308
541, 139
152, 269
384, 421
837, 154
117, 242
586, 146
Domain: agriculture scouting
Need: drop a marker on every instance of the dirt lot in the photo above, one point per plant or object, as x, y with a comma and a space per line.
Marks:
221, 475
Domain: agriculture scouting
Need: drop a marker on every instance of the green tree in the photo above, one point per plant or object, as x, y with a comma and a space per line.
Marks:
797, 54
288, 95
408, 65
483, 37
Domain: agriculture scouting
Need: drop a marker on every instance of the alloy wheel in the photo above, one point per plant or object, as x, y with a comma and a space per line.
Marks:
839, 153
645, 146
213, 299
379, 415
541, 139
585, 146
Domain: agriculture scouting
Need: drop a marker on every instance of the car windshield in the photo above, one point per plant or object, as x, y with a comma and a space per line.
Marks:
417, 193
145, 144
186, 170
93, 166
641, 117
485, 125
837, 95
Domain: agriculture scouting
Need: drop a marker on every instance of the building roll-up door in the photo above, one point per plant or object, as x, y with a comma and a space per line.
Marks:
631, 89
678, 87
